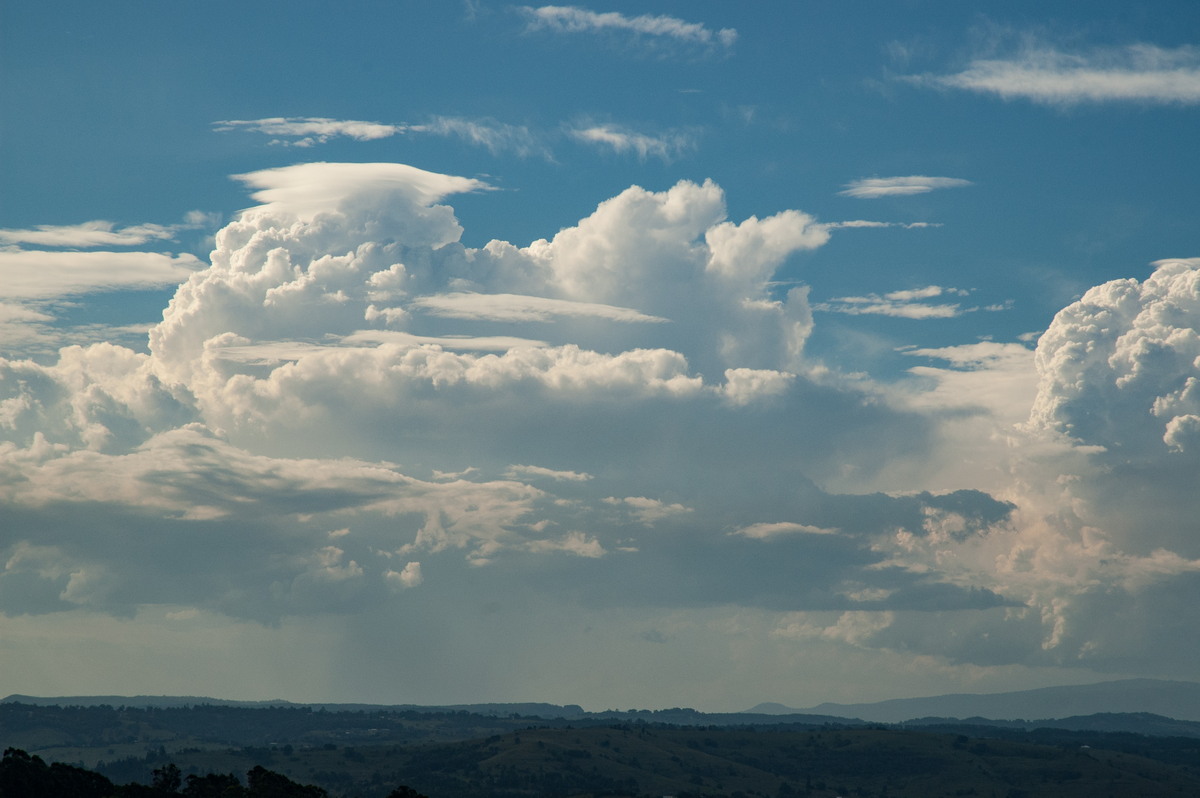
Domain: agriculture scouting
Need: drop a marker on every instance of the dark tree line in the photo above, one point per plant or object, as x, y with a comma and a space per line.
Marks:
27, 776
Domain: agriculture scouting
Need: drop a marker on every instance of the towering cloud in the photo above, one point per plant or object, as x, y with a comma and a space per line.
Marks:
348, 407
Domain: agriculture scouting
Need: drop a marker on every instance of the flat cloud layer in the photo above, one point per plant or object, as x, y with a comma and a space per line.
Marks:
347, 407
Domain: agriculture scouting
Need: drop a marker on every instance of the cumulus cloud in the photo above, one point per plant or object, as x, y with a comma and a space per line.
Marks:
573, 19
666, 147
409, 576
1120, 365
1138, 73
875, 187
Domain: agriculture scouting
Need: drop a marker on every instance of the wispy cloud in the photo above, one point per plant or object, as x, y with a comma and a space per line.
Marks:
495, 136
874, 187
305, 131
908, 304
665, 147
572, 19
1141, 73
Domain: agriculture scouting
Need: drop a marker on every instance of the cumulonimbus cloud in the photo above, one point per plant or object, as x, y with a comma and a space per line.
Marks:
280, 400
1139, 73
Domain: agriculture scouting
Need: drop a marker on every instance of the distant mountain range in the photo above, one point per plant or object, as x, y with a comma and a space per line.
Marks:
1170, 699
1123, 705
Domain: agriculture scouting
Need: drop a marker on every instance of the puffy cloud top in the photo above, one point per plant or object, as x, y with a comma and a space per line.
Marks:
1120, 368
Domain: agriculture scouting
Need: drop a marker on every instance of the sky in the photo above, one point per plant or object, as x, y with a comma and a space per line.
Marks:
631, 355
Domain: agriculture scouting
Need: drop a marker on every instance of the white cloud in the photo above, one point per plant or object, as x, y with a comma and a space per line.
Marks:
572, 19
410, 576
280, 399
907, 304
743, 386
855, 627
307, 189
526, 471
306, 131
647, 511
496, 137
1139, 73
520, 308
1120, 364
666, 147
766, 531
575, 543
875, 187
862, 223
89, 234
39, 274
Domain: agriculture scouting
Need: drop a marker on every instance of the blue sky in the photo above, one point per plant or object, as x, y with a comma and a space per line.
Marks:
775, 351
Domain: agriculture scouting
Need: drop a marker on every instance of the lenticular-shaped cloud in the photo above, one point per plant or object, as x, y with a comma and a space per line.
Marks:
514, 307
874, 187
764, 531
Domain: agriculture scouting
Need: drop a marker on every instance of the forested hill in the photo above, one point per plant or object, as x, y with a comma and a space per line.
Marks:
646, 760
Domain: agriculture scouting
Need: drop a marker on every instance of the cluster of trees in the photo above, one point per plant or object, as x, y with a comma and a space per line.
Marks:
26, 776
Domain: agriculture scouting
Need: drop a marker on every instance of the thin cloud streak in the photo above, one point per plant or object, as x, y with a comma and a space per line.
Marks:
572, 19
1139, 73
908, 304
309, 130
36, 274
98, 233
496, 137
621, 140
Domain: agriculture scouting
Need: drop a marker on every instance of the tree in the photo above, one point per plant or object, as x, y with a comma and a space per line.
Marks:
167, 779
404, 791
263, 783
